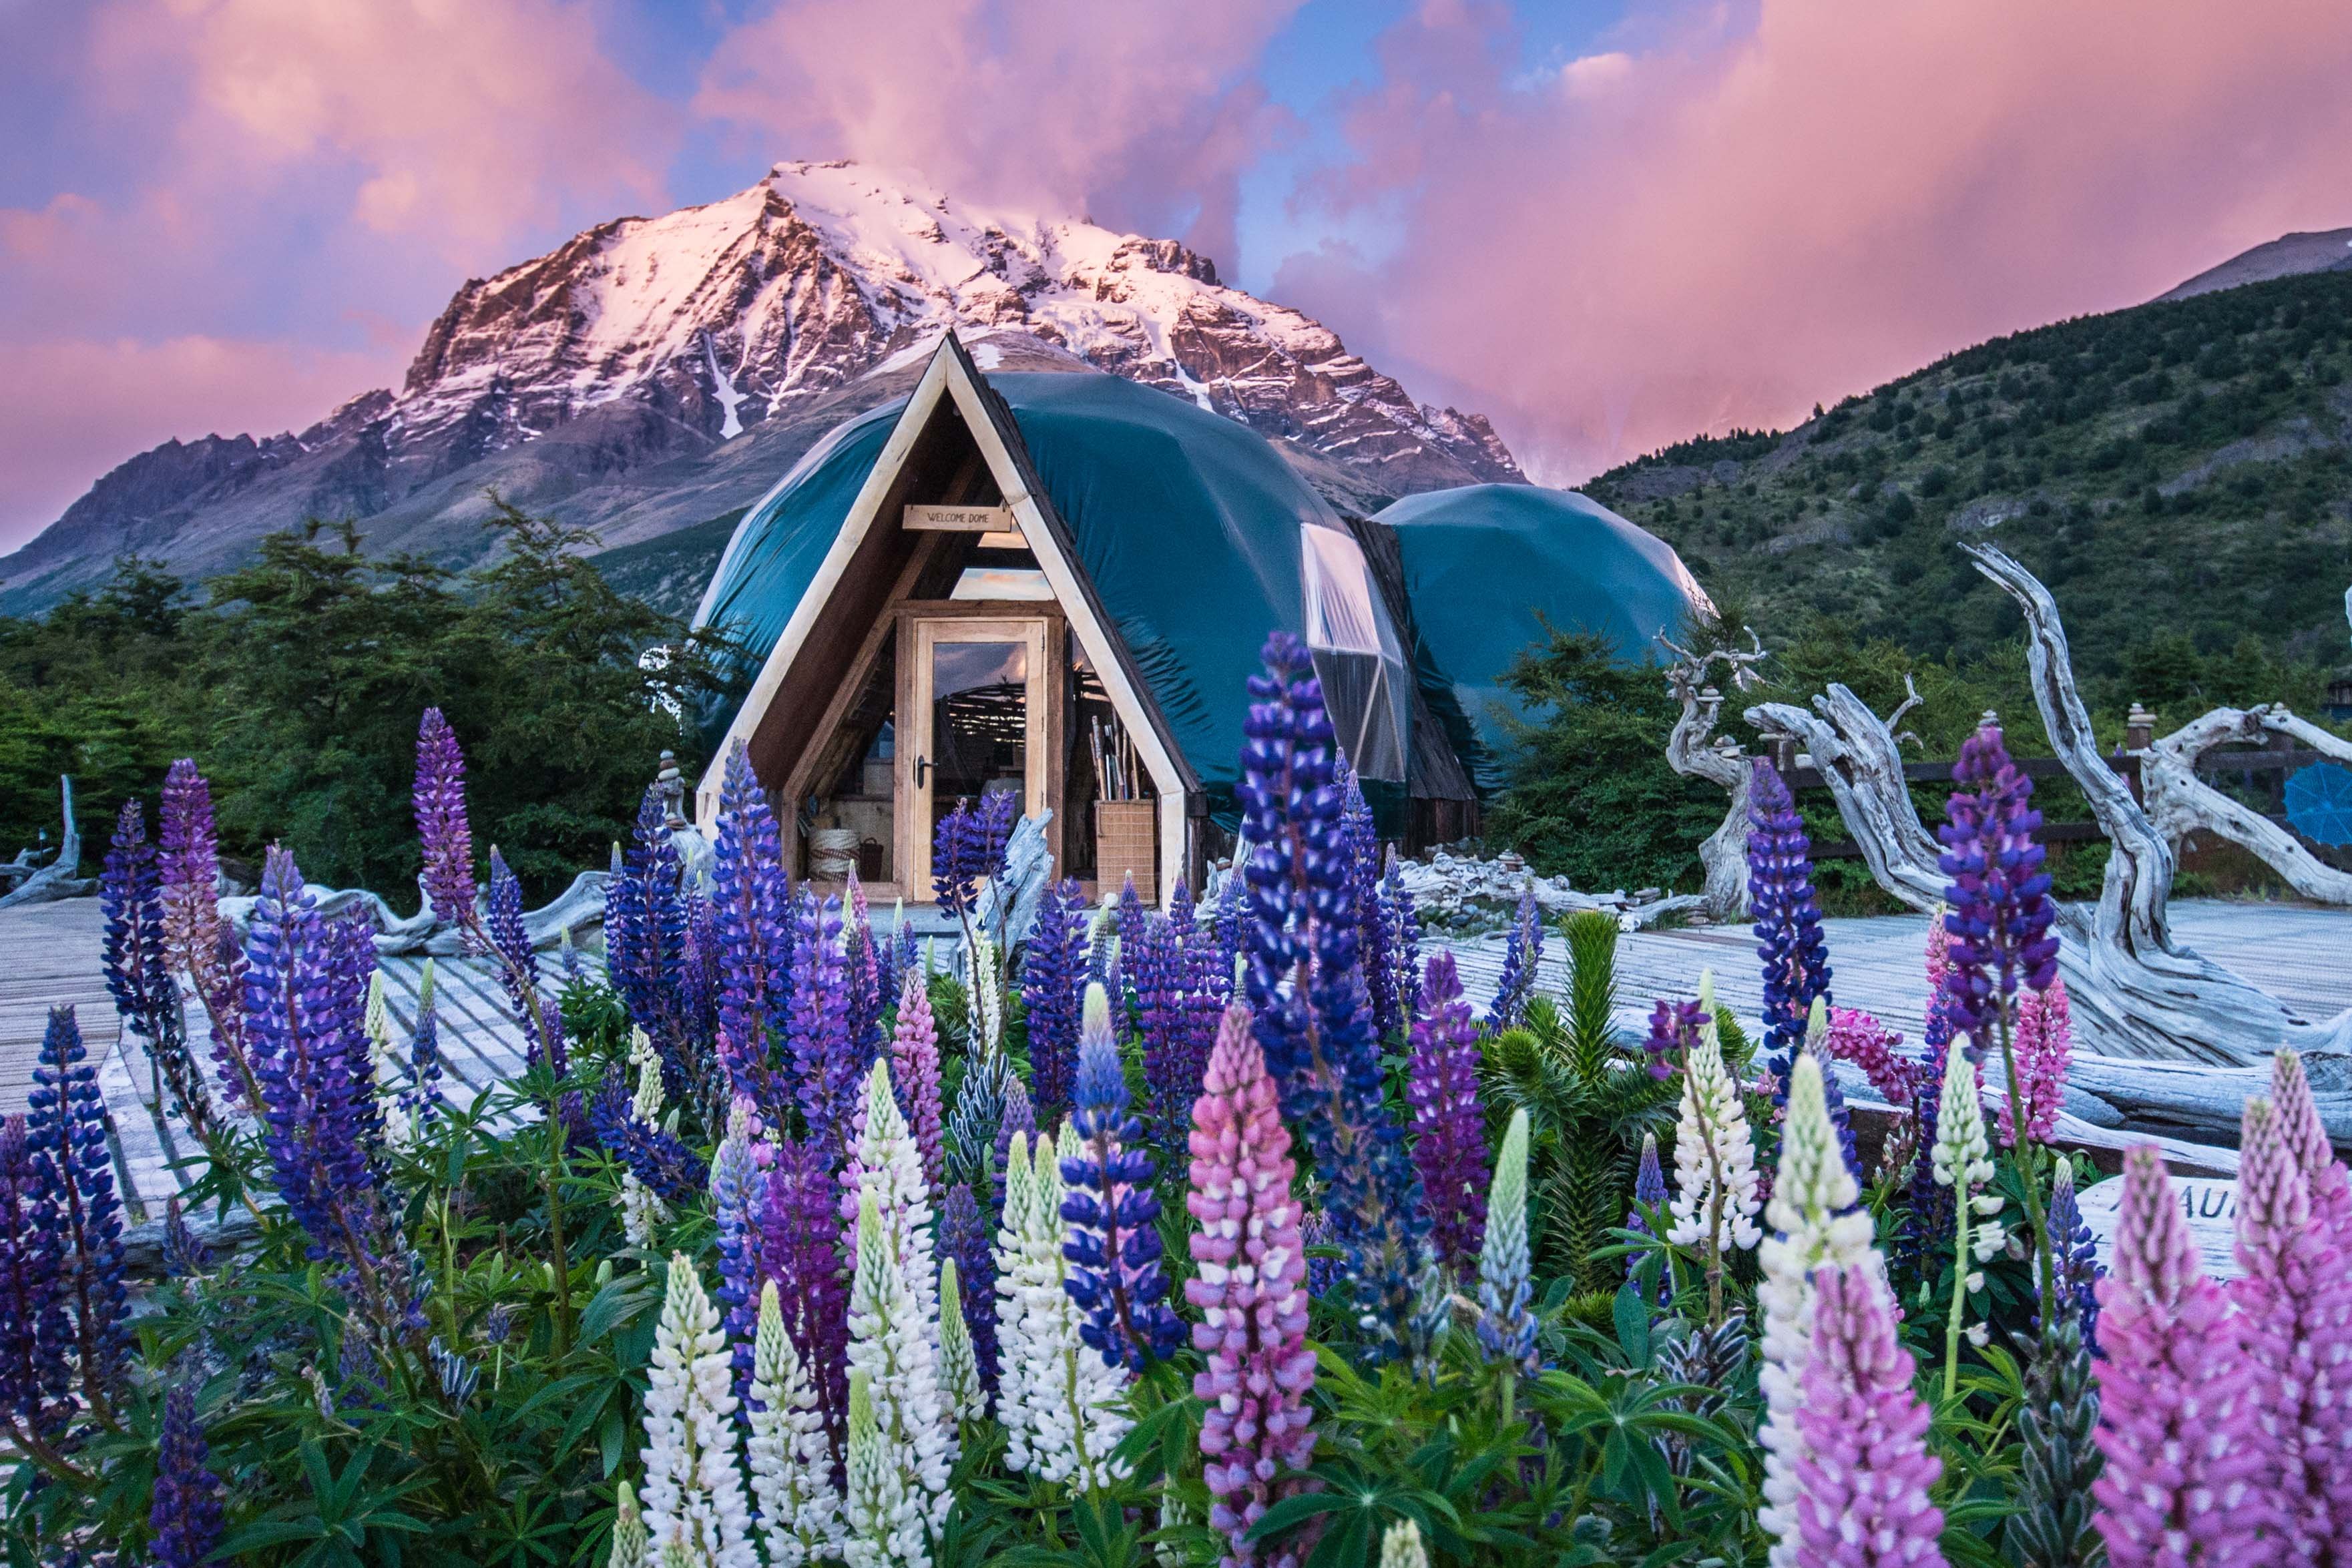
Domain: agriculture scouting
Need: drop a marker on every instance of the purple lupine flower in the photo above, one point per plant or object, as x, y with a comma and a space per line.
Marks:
1788, 919
1362, 841
699, 978
137, 974
441, 826
915, 1081
1307, 990
1183, 918
645, 933
1999, 902
1863, 1473
862, 972
1927, 1232
1051, 977
1323, 1274
955, 855
1649, 1192
1673, 1029
2075, 1254
195, 937
1113, 1245
74, 1174
35, 1342
2294, 1307
184, 1253
1522, 956
1401, 923
2178, 1423
1130, 931
825, 1070
1449, 1125
184, 1520
1230, 922
752, 905
517, 964
2307, 1137
1171, 1064
738, 1198
964, 1237
800, 1250
1250, 1289
305, 997
1017, 1115
674, 1173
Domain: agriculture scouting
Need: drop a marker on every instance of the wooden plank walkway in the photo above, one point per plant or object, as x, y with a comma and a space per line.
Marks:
50, 955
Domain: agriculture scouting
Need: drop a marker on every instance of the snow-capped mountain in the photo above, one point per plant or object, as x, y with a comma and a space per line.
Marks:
652, 373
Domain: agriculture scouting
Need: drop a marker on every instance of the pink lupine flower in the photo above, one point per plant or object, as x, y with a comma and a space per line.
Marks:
2295, 1302
915, 1072
1939, 952
1864, 1472
1858, 1037
2044, 1049
1250, 1289
2300, 1130
2185, 1458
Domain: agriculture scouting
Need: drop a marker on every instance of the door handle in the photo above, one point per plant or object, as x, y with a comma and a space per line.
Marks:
922, 766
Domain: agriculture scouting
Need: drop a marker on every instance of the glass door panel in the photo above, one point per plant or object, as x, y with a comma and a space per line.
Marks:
978, 713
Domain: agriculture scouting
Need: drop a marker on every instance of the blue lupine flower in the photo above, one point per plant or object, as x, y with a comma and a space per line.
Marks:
1999, 905
73, 1175
674, 1173
1787, 918
1307, 992
964, 1237
752, 905
184, 1521
1051, 977
138, 973
1401, 923
1522, 957
1927, 1232
826, 1072
1115, 1275
2075, 1254
185, 1252
305, 1000
35, 1342
517, 964
644, 934
1363, 852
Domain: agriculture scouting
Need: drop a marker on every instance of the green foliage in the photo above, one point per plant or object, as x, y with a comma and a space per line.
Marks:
1589, 1097
1589, 793
299, 684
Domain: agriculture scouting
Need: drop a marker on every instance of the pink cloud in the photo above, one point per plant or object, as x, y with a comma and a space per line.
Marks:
72, 408
1719, 227
466, 123
1141, 114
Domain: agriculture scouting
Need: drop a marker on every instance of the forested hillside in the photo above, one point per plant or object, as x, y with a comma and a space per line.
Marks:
2178, 473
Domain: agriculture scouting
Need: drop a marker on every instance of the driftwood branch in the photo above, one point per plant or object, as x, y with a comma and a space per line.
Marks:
2136, 992
1696, 751
577, 907
56, 880
2180, 804
1855, 753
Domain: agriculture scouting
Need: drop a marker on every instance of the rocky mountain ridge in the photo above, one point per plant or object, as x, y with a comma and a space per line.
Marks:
652, 373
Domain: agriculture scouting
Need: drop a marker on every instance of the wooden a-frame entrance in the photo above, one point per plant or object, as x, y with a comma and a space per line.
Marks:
950, 645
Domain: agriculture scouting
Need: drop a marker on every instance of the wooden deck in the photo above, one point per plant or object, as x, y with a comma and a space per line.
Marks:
50, 955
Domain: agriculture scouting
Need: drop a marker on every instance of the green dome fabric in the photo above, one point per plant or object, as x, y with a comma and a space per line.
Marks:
1486, 566
1188, 524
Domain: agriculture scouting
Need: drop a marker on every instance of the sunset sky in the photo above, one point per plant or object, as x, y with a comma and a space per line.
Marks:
1606, 224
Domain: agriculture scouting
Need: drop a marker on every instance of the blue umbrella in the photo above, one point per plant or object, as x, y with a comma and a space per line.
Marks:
2319, 803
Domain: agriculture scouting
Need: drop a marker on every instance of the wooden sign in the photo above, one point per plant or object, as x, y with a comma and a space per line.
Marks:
2210, 1205
959, 519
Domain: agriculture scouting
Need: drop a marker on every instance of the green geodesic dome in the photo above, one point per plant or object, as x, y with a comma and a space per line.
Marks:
1486, 566
1198, 538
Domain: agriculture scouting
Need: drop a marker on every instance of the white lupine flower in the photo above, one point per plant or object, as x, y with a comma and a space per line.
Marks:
886, 1161
646, 1104
890, 1343
642, 1211
1816, 1224
885, 1527
1714, 1156
1401, 1547
984, 986
391, 1073
1015, 1273
791, 1457
628, 1549
694, 1506
1962, 1158
1071, 1402
960, 1386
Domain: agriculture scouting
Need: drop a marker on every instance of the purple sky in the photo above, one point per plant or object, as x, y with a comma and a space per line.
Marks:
1607, 223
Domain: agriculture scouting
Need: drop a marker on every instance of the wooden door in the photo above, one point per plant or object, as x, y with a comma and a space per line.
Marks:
977, 699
